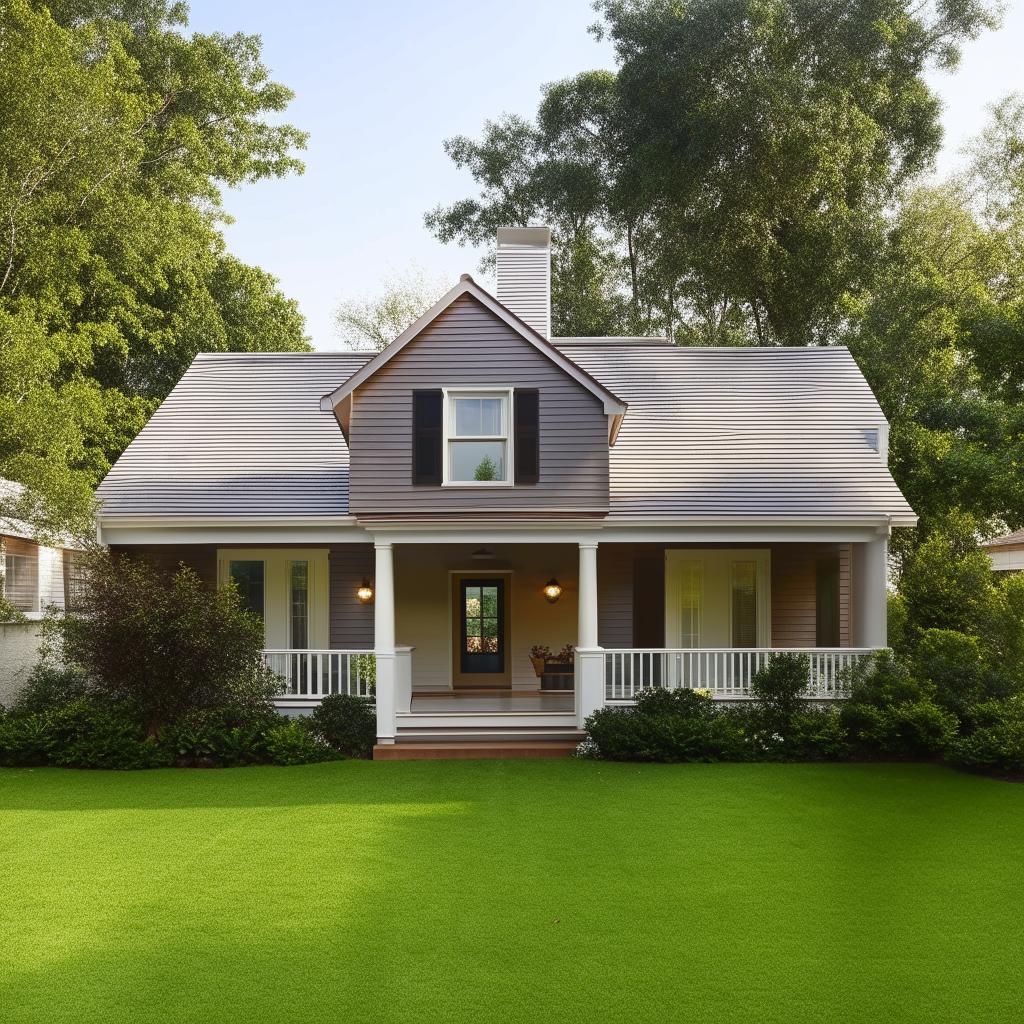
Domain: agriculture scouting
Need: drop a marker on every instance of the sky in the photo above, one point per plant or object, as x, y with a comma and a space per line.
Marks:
380, 86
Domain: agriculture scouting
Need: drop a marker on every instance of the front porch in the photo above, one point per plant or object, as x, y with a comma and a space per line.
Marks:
469, 616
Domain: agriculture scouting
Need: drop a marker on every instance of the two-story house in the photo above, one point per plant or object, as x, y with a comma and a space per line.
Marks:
480, 489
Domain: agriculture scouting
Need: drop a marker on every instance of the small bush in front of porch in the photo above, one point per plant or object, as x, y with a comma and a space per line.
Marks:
671, 726
295, 741
347, 723
783, 726
892, 713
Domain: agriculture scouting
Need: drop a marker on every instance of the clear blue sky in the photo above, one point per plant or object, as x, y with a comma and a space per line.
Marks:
379, 86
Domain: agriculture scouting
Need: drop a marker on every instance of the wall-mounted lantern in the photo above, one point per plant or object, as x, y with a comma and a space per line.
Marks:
552, 590
365, 592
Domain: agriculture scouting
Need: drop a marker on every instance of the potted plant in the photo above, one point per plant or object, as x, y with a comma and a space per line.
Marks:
539, 654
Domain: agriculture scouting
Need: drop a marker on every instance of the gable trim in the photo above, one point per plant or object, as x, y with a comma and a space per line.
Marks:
613, 406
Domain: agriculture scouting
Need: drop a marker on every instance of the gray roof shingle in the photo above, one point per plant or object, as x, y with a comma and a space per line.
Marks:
241, 434
709, 432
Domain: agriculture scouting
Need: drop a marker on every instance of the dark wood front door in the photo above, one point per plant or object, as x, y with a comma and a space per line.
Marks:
481, 631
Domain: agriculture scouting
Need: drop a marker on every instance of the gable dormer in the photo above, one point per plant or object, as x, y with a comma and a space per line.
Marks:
473, 410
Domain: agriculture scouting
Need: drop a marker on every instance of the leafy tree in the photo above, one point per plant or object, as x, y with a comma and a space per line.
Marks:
486, 469
731, 178
118, 133
374, 321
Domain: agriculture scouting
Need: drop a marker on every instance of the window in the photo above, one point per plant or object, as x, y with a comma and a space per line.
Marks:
299, 605
21, 581
477, 444
482, 626
249, 578
74, 580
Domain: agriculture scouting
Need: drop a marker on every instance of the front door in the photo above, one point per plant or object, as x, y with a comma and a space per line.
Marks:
480, 627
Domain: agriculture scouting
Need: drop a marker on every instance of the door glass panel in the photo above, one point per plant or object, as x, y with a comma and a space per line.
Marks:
744, 604
481, 627
249, 578
299, 605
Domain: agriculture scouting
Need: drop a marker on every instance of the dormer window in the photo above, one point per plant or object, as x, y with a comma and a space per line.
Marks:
477, 441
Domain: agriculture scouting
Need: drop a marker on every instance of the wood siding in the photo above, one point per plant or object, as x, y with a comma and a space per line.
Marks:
793, 592
351, 623
467, 346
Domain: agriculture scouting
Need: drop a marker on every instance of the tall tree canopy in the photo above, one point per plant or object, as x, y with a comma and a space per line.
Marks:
119, 131
728, 183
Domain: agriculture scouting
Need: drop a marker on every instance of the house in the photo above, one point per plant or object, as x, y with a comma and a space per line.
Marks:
1007, 552
33, 578
480, 489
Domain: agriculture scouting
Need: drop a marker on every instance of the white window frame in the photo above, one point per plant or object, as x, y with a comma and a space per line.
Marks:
448, 435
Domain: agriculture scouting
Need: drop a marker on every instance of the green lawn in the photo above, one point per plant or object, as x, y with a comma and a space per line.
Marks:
512, 891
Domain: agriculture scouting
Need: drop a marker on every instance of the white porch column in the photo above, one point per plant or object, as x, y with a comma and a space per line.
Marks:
589, 656
384, 640
870, 594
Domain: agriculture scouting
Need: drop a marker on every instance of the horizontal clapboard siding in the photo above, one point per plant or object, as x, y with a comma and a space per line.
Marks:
467, 346
241, 434
351, 623
744, 432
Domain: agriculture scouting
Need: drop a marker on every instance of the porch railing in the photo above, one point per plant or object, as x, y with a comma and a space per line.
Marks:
307, 676
726, 672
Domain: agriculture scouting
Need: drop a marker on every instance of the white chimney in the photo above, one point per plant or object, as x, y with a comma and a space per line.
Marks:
524, 275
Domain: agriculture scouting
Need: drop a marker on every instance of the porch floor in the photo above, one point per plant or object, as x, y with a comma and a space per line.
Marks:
493, 702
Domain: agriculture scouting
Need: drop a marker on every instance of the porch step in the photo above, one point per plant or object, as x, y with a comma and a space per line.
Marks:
565, 720
470, 750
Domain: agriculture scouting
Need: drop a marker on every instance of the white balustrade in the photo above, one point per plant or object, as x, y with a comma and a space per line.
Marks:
307, 676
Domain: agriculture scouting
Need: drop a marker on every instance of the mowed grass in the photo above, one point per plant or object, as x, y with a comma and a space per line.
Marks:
512, 891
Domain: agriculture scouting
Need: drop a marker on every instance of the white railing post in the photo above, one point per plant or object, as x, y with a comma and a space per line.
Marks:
403, 679
384, 640
590, 684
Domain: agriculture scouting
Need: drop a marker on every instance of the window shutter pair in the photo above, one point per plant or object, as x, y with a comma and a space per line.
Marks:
428, 436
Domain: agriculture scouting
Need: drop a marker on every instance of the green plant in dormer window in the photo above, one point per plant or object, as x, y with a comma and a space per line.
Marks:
486, 470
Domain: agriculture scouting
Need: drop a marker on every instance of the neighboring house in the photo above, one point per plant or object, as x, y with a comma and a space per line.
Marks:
1007, 552
480, 488
33, 578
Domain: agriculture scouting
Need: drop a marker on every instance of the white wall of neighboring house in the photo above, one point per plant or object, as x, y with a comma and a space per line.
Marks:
1007, 559
20, 641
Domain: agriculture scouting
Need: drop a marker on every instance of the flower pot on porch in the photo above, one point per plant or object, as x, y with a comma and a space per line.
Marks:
538, 665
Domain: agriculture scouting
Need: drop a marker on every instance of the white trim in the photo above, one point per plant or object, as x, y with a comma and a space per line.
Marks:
451, 395
613, 406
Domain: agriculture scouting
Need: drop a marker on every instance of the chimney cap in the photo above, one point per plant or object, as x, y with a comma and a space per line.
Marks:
538, 237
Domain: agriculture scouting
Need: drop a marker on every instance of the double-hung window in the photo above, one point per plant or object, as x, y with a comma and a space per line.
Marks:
477, 440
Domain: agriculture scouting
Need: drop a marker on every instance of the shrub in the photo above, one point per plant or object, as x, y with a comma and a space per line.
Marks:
817, 734
164, 644
89, 733
24, 740
955, 664
49, 686
668, 725
908, 729
997, 742
891, 711
293, 742
778, 688
222, 737
348, 724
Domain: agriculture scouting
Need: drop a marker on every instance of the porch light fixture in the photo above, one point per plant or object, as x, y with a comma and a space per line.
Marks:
552, 590
365, 592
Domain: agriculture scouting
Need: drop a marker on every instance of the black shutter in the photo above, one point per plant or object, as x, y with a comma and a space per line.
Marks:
427, 410
527, 433
649, 599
